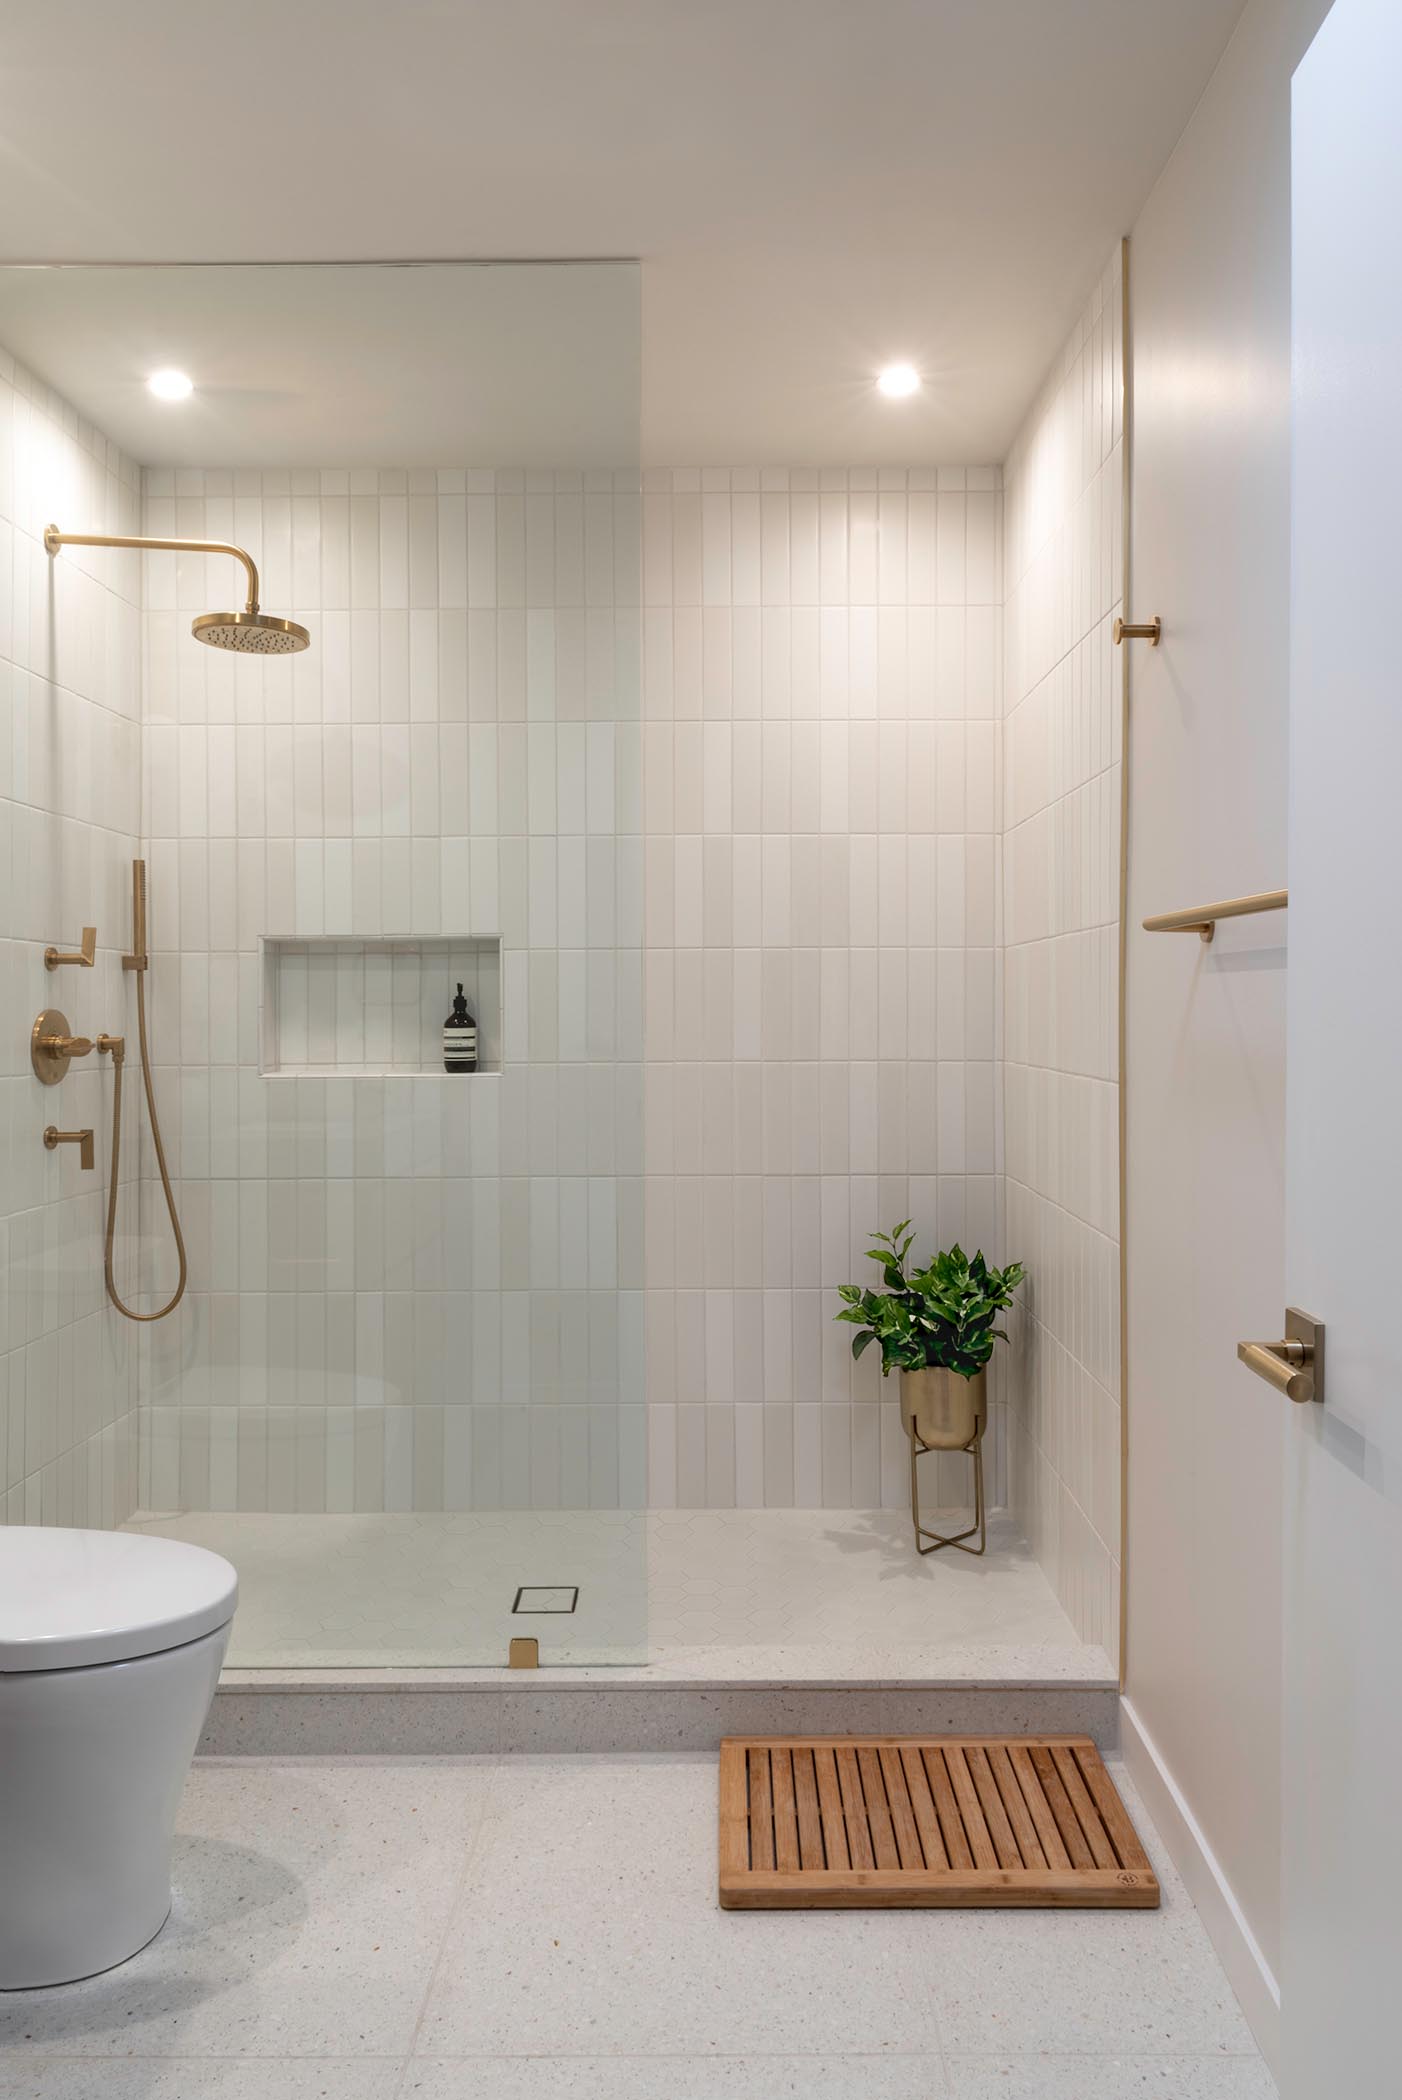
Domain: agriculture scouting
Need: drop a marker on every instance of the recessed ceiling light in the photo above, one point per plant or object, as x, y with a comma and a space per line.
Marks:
171, 385
896, 381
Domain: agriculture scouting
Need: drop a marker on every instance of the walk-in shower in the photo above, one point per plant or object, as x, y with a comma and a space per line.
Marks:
690, 779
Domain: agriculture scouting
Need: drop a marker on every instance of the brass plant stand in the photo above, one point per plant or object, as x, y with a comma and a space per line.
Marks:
974, 1447
941, 1410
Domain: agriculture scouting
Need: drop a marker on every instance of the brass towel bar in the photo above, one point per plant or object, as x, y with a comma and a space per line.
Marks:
1203, 920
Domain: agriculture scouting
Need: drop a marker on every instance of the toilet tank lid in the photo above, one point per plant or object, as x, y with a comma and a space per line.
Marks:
69, 1599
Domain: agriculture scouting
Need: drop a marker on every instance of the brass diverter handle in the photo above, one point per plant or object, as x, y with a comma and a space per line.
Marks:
85, 957
1294, 1366
54, 1137
52, 1049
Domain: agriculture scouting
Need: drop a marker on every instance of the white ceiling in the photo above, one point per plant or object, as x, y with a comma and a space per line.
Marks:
443, 364
814, 186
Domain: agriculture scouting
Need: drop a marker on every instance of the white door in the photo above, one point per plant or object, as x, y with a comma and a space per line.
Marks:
1341, 1980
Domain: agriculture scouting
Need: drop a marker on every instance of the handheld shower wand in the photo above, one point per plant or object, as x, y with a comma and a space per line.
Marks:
114, 1046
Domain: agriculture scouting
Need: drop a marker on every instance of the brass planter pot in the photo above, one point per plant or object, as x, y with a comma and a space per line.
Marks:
945, 1410
941, 1411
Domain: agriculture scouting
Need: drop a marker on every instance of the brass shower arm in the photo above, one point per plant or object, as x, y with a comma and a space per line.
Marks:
54, 539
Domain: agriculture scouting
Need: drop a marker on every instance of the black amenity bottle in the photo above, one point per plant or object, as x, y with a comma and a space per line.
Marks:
460, 1038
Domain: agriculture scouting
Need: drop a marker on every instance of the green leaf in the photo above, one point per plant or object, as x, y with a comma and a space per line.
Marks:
944, 1314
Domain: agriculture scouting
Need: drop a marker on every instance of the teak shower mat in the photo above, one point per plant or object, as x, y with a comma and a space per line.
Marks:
895, 1821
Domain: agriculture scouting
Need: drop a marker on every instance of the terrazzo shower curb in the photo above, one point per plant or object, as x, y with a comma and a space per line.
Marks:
297, 1717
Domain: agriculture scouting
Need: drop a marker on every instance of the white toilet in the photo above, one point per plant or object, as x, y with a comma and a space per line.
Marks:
110, 1647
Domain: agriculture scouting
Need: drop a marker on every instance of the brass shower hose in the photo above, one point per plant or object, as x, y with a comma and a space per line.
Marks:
118, 1050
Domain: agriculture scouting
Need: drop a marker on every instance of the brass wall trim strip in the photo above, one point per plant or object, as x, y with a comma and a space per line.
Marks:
1122, 931
1202, 919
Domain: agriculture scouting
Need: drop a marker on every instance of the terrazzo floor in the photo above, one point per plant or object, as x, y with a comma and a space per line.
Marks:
547, 1929
717, 1593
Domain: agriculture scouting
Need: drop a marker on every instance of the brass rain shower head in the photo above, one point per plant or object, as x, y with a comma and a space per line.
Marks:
248, 633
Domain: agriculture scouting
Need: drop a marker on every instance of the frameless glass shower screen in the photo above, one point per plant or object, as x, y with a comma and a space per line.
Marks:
404, 1392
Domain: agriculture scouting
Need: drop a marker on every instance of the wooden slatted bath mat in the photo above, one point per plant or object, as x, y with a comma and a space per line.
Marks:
823, 1822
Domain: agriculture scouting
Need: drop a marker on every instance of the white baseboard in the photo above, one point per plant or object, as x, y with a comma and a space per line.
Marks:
1248, 1971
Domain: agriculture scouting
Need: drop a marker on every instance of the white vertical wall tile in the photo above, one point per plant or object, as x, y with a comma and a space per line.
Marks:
816, 1016
1059, 879
830, 822
422, 1273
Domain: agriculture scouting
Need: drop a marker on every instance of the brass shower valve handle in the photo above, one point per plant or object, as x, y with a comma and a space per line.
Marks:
51, 1047
85, 957
54, 1137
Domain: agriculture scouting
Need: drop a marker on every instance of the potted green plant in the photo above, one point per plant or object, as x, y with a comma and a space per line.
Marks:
937, 1327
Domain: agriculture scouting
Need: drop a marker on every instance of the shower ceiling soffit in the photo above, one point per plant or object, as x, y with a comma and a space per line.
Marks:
813, 187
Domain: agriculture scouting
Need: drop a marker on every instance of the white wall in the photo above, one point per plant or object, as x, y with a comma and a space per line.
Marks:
821, 690
1210, 321
1060, 861
70, 788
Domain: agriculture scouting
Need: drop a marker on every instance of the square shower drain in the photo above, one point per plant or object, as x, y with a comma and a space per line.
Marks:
546, 1597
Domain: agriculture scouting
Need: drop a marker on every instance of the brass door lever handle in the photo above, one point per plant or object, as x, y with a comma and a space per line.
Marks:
1286, 1365
53, 1138
85, 957
1294, 1366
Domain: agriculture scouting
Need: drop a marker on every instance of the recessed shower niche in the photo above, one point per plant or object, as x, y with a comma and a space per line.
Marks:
361, 1009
